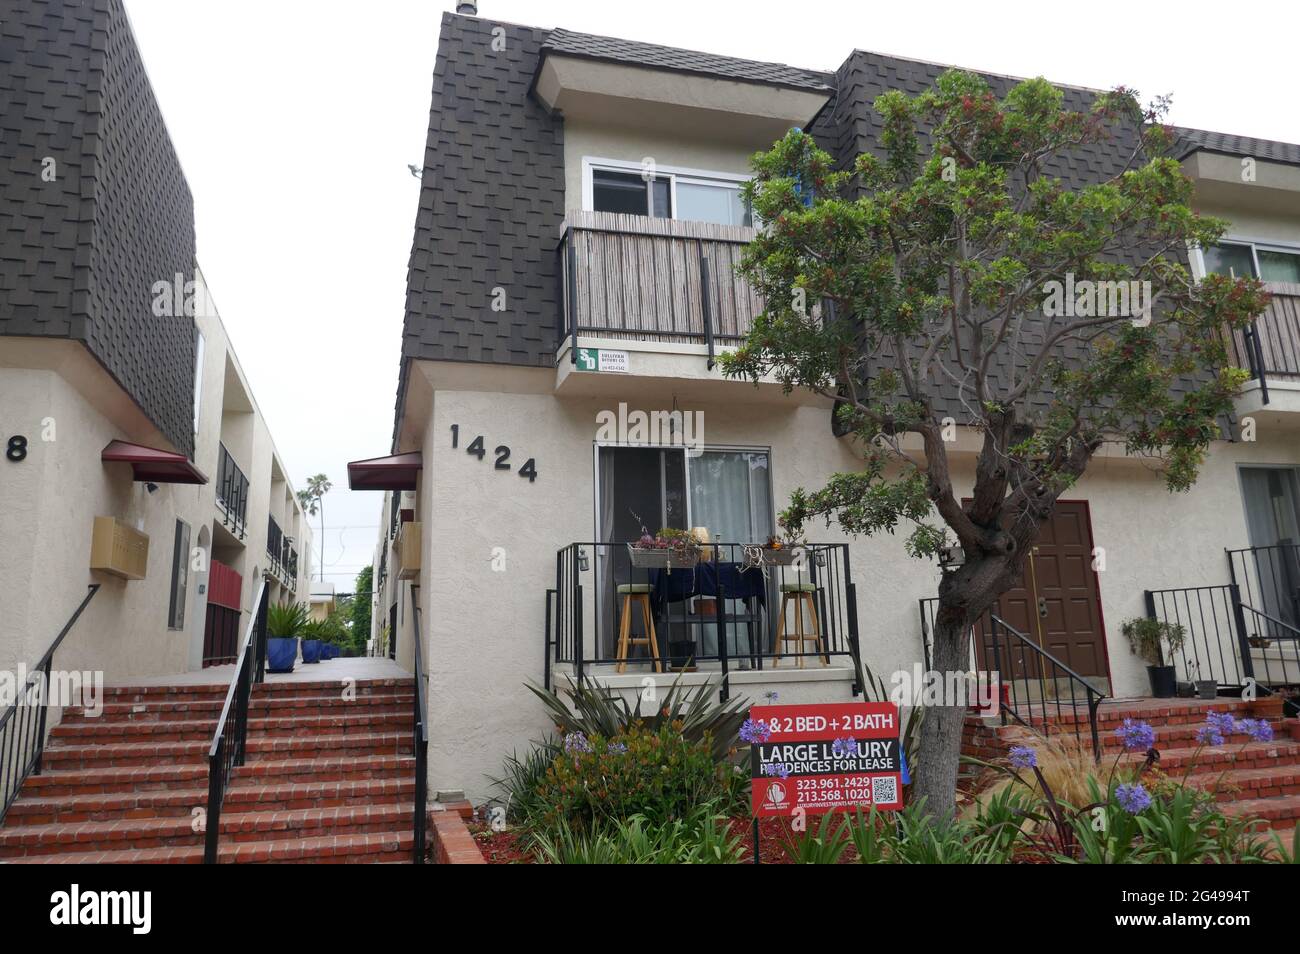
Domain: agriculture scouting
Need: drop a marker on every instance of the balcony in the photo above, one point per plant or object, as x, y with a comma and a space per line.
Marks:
1270, 350
232, 494
281, 553
738, 613
637, 279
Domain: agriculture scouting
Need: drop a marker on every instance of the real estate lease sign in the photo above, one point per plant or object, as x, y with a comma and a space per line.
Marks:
818, 758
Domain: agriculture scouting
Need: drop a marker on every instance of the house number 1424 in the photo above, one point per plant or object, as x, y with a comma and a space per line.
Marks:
502, 452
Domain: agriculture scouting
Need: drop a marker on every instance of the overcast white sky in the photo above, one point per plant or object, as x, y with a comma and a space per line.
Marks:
295, 122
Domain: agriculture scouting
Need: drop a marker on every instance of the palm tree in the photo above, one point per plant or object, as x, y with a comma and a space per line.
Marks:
312, 500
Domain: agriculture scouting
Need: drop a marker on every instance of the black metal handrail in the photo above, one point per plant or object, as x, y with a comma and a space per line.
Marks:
230, 739
22, 741
1020, 665
741, 628
1034, 664
420, 738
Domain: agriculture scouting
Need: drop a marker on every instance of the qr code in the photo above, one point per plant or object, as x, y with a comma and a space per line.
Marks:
884, 790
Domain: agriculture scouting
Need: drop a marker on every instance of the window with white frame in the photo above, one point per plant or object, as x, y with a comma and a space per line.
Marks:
664, 192
1239, 259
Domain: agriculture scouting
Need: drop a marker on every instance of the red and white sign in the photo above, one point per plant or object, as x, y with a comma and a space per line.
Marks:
818, 758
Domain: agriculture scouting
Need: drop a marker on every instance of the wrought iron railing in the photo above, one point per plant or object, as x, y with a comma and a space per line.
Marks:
1269, 347
1214, 627
230, 740
275, 546
421, 740
1035, 688
637, 278
737, 608
232, 492
23, 724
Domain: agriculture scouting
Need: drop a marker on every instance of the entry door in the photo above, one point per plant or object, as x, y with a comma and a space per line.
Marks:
1272, 569
1057, 603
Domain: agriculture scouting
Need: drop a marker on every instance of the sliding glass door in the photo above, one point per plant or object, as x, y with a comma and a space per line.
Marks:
1272, 497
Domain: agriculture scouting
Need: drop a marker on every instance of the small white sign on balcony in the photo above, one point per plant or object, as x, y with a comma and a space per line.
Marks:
598, 359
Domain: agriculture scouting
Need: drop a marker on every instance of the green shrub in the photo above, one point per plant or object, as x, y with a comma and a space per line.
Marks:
701, 838
660, 775
522, 780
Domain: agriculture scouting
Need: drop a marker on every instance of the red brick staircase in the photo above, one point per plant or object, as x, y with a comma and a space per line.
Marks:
327, 778
1261, 779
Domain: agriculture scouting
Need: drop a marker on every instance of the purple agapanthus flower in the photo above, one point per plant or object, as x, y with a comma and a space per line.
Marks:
844, 748
1222, 722
576, 742
1209, 735
1258, 729
754, 731
1132, 797
1023, 757
779, 769
1136, 736
617, 748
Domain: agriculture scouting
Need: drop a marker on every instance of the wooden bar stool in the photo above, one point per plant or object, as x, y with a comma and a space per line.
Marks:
800, 593
640, 593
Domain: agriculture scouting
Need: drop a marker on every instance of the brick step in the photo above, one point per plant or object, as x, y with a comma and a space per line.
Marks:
110, 755
1282, 812
1175, 736
243, 796
269, 688
1261, 755
110, 731
169, 832
391, 846
258, 708
147, 778
1274, 781
1161, 712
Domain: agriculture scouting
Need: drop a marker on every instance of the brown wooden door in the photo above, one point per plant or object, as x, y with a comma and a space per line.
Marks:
1057, 603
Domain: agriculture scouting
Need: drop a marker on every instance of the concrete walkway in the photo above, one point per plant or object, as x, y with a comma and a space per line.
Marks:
343, 667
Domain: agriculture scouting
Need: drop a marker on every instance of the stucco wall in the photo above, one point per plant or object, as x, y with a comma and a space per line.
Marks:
484, 627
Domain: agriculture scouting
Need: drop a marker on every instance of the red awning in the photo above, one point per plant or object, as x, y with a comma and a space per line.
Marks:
385, 473
152, 465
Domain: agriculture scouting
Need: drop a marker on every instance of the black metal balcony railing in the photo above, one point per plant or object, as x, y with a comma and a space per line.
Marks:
637, 278
728, 613
1270, 347
232, 492
275, 544
1243, 633
1040, 690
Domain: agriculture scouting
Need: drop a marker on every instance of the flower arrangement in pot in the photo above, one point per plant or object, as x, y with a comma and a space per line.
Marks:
284, 623
1147, 637
668, 549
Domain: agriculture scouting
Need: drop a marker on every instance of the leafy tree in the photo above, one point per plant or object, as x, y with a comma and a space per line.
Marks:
913, 292
313, 501
361, 604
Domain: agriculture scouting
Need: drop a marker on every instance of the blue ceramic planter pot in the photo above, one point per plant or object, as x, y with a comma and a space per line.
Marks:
311, 650
281, 653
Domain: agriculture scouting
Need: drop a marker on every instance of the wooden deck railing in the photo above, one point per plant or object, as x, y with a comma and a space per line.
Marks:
633, 277
1273, 349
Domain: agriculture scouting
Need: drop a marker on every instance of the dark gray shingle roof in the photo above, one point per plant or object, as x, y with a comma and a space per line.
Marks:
79, 254
652, 55
1192, 140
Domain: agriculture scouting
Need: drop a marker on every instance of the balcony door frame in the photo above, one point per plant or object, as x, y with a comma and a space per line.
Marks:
690, 515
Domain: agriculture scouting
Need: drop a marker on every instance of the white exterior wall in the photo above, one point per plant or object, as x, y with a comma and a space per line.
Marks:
483, 629
49, 501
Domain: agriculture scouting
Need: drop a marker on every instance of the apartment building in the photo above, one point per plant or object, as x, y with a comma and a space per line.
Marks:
571, 284
138, 460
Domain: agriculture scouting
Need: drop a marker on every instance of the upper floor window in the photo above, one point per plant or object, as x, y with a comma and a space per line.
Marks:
666, 193
1252, 260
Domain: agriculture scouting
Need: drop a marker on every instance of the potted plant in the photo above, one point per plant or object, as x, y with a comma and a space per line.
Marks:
668, 549
311, 641
284, 622
1146, 637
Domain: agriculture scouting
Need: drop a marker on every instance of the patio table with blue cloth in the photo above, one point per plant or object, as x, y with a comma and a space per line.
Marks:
739, 582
